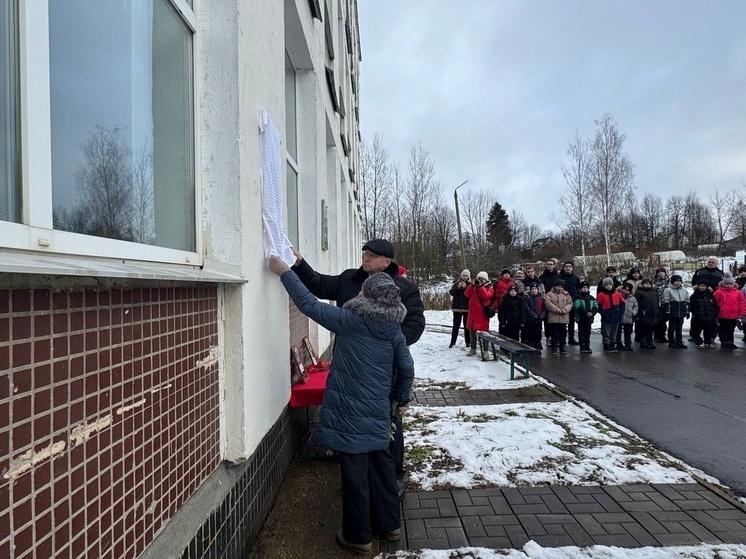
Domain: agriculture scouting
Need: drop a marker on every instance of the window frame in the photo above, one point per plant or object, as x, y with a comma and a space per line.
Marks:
291, 161
35, 232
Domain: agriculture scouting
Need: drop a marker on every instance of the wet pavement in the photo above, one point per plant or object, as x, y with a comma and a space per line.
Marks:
690, 403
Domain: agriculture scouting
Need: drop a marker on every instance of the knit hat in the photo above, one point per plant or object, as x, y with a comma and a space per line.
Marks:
512, 287
662, 269
633, 270
570, 262
628, 286
728, 279
702, 282
504, 271
608, 282
675, 278
520, 274
381, 247
380, 288
646, 280
483, 275
402, 270
466, 273
559, 282
584, 284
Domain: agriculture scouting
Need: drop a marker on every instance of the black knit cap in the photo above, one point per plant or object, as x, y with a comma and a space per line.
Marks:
381, 247
584, 284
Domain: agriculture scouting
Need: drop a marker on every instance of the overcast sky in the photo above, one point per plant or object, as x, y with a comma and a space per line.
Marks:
494, 90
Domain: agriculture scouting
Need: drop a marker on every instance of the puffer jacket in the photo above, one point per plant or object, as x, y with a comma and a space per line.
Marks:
460, 302
648, 306
610, 306
675, 301
703, 306
630, 310
512, 310
731, 302
348, 284
356, 412
502, 285
534, 308
584, 304
558, 307
549, 279
635, 283
479, 297
712, 277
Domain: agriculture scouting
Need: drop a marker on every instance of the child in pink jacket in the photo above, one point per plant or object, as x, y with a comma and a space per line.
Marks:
732, 307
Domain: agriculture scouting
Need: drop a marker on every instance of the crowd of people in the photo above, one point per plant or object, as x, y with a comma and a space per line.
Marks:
557, 303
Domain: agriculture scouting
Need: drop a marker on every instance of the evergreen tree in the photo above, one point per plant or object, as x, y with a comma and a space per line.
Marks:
499, 230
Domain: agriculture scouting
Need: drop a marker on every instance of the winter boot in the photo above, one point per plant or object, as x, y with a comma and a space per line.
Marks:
573, 341
555, 349
607, 348
563, 349
681, 345
471, 352
613, 348
672, 345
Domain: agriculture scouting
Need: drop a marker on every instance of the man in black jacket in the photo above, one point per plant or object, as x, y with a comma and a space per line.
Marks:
710, 274
378, 256
572, 286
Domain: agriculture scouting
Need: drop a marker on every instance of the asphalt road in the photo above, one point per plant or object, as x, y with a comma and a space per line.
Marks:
690, 403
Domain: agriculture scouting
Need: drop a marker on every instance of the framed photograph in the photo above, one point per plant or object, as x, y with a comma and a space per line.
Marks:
311, 353
298, 364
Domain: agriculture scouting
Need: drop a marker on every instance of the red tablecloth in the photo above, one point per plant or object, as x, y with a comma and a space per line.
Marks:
311, 393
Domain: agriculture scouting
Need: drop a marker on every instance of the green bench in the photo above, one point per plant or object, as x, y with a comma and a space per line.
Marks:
508, 345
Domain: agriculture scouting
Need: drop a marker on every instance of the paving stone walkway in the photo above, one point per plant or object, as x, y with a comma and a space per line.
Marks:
619, 515
622, 515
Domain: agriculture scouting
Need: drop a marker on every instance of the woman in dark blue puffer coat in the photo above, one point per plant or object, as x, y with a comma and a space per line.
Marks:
356, 413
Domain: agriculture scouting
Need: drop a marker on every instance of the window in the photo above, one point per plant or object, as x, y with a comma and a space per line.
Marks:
10, 195
122, 131
291, 150
107, 149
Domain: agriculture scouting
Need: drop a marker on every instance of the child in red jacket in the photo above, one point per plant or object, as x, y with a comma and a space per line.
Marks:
732, 307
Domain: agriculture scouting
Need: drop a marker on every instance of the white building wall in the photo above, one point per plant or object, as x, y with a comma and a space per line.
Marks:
241, 53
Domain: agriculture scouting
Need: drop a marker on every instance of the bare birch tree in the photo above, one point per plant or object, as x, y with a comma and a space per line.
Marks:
375, 186
722, 208
577, 204
422, 194
143, 195
475, 206
611, 173
651, 209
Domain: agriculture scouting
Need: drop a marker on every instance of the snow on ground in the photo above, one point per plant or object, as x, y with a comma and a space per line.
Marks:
531, 444
532, 550
524, 444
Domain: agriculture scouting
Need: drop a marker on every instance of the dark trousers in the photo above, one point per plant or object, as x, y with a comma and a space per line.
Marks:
457, 317
626, 331
584, 334
571, 330
396, 447
709, 328
660, 329
511, 330
645, 331
674, 329
726, 329
557, 334
368, 495
532, 333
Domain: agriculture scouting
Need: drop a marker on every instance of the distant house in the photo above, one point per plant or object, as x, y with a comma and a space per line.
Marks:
599, 262
668, 257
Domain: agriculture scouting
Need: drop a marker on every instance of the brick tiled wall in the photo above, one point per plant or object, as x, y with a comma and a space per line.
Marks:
108, 416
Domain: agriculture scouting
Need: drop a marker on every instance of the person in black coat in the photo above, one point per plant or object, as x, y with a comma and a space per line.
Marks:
610, 273
512, 314
710, 274
648, 313
460, 307
704, 310
572, 286
378, 256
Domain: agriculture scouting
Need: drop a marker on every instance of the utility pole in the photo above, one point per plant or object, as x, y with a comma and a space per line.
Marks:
458, 223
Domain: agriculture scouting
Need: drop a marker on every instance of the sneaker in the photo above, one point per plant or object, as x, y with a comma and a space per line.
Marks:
628, 348
359, 548
585, 350
681, 345
555, 351
673, 345
710, 346
701, 346
573, 341
563, 350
